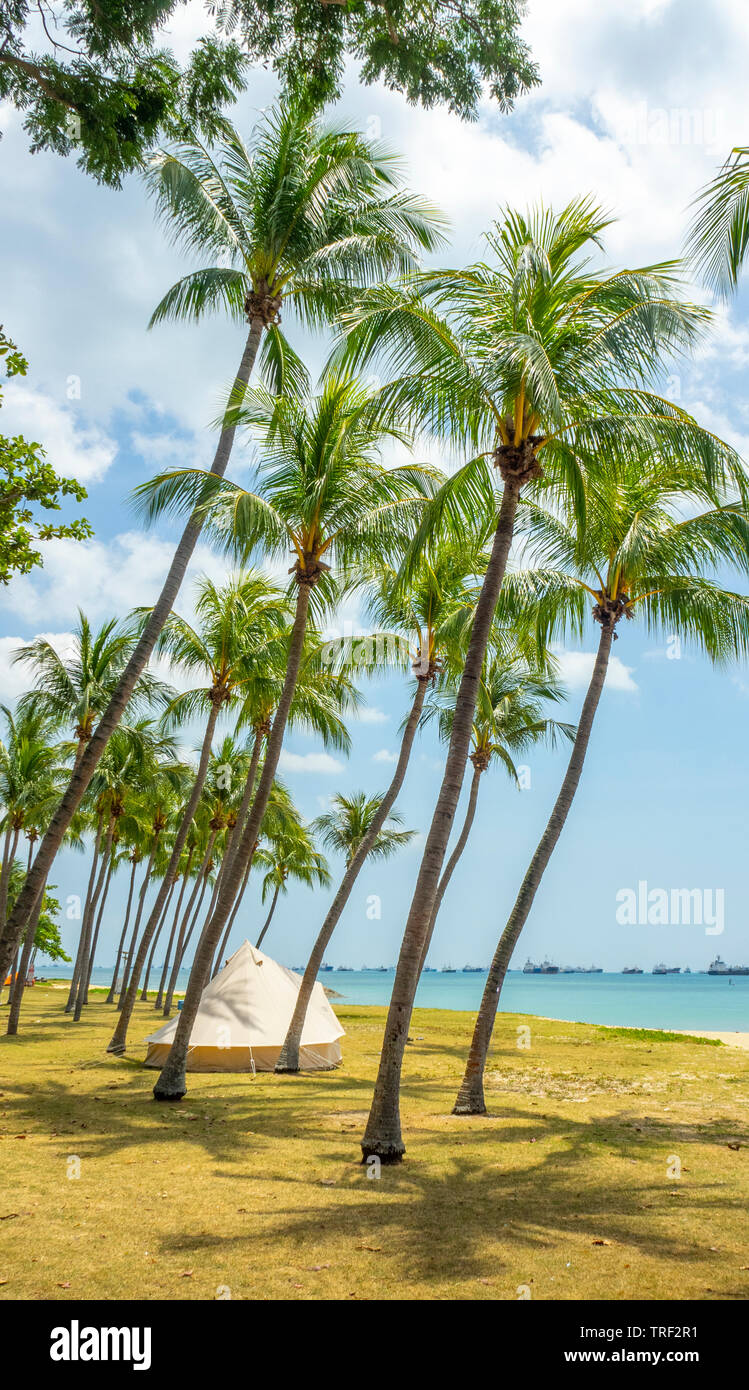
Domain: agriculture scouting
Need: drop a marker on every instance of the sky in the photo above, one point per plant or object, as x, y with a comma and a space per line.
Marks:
640, 101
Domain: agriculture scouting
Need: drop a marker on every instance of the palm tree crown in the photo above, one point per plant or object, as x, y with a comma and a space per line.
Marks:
302, 215
343, 828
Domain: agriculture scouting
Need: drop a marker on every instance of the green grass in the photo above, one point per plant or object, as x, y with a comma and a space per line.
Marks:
254, 1183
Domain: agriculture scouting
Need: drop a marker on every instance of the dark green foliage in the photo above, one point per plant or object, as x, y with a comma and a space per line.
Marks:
93, 78
101, 87
438, 51
25, 479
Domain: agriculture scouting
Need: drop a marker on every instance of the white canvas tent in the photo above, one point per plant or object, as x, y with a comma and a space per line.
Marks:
243, 1017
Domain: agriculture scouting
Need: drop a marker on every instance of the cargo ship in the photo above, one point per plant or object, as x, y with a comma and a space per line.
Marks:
719, 967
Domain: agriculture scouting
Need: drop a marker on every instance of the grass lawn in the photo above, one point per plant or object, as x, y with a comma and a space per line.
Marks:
254, 1185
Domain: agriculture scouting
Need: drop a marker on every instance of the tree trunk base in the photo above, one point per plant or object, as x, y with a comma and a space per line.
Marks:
387, 1153
288, 1060
470, 1103
116, 1048
169, 1091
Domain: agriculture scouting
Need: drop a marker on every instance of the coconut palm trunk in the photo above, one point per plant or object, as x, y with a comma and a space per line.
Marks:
269, 918
470, 1100
87, 932
192, 912
247, 795
234, 839
119, 1038
221, 952
99, 918
18, 979
13, 974
155, 942
23, 969
288, 1059
127, 973
86, 909
172, 1084
9, 854
83, 773
383, 1132
177, 916
179, 958
211, 905
479, 766
123, 934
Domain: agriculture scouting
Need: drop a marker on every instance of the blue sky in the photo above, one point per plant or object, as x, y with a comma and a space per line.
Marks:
641, 100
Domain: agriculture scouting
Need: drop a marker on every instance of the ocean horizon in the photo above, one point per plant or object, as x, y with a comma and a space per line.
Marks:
698, 1001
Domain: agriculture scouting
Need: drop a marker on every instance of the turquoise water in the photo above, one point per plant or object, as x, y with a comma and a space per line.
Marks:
630, 1001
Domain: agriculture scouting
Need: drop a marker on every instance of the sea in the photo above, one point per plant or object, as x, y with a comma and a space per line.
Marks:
698, 1001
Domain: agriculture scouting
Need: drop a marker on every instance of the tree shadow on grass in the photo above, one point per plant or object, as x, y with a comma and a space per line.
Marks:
448, 1215
474, 1194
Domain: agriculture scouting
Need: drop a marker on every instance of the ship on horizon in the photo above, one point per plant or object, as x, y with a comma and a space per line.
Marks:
545, 968
719, 967
662, 969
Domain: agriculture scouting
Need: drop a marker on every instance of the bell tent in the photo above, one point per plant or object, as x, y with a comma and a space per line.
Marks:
243, 1016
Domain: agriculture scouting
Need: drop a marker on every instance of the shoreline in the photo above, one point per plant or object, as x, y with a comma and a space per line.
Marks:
729, 1037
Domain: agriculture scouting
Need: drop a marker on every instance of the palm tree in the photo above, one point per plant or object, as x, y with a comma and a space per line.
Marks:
75, 689
45, 934
323, 494
289, 856
426, 619
134, 857
72, 691
321, 695
718, 237
160, 809
31, 775
138, 766
32, 772
509, 718
210, 823
185, 871
641, 551
300, 218
234, 624
345, 827
540, 365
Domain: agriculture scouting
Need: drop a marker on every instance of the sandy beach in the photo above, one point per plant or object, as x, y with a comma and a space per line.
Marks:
730, 1039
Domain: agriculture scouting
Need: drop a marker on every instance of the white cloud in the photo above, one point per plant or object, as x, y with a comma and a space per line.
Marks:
321, 763
384, 756
370, 714
15, 678
164, 450
103, 578
576, 669
73, 449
